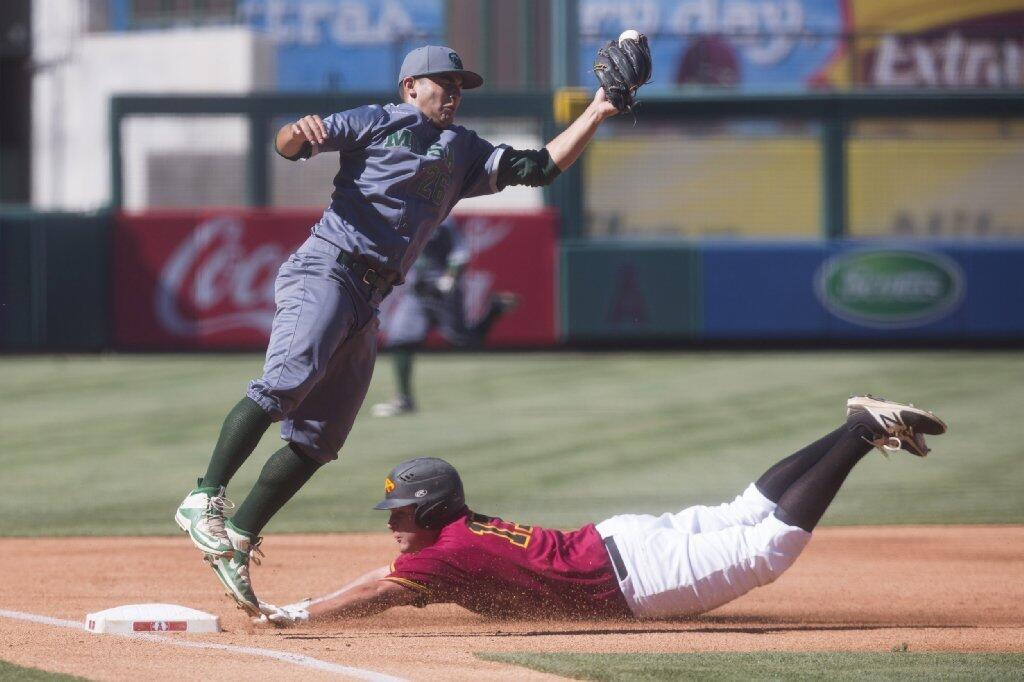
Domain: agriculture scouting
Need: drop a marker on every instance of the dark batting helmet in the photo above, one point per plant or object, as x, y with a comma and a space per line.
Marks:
432, 484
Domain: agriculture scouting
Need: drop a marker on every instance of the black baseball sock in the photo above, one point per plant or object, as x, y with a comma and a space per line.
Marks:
806, 500
774, 482
403, 371
285, 472
479, 331
243, 427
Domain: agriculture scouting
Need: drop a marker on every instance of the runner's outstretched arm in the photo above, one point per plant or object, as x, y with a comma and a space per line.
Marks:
367, 595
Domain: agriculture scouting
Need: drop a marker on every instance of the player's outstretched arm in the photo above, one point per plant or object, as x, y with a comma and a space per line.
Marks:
293, 136
365, 596
571, 142
366, 599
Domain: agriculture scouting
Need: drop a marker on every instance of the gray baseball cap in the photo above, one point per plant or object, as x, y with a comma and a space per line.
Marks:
431, 59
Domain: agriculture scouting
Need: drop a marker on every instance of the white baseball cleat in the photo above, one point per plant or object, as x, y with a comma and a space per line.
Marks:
394, 408
201, 515
233, 571
900, 426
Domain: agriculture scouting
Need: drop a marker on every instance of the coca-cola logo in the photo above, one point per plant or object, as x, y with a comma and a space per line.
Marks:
213, 283
481, 233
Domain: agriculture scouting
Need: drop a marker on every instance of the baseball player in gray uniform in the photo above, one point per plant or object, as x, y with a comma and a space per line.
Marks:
433, 298
402, 169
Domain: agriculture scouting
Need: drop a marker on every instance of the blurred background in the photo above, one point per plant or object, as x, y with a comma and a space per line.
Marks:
805, 170
812, 174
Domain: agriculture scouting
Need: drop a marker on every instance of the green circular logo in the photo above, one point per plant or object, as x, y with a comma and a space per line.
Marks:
890, 289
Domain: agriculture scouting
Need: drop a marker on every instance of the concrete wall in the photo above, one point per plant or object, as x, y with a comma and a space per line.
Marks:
77, 73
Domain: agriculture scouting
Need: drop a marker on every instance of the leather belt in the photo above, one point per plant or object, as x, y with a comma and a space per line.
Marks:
378, 283
617, 563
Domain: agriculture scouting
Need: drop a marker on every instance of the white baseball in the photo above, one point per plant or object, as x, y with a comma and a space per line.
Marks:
629, 34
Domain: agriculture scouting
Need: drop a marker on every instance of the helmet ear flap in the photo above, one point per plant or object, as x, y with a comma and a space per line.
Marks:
433, 515
425, 515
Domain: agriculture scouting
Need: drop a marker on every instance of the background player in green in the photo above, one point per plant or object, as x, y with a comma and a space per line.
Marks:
433, 297
402, 169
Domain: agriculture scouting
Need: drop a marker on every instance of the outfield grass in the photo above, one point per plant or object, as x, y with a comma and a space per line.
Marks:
771, 666
10, 672
110, 444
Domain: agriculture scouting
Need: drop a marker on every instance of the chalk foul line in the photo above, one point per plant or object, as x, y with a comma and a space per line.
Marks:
284, 656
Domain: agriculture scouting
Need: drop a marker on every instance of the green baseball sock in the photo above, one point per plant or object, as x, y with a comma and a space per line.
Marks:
403, 372
243, 427
284, 473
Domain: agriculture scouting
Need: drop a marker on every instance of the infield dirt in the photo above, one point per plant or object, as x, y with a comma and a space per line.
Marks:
935, 588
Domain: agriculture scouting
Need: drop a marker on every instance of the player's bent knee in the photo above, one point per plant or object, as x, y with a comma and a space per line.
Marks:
269, 404
310, 457
785, 543
315, 455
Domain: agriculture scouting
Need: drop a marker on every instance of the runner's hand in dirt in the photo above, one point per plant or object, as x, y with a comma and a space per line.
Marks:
283, 616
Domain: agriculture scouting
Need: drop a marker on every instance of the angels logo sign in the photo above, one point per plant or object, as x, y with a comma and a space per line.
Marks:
159, 626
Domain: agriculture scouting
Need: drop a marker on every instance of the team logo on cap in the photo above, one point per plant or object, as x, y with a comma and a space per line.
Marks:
455, 60
389, 485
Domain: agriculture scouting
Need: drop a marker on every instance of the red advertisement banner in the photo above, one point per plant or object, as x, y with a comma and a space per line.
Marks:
205, 279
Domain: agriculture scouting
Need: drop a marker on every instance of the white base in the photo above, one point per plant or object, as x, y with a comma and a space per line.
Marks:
134, 618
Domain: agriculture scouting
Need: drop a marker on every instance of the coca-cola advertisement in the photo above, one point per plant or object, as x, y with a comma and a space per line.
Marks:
205, 279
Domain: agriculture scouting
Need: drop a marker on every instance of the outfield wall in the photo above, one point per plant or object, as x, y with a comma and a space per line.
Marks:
805, 291
203, 280
53, 281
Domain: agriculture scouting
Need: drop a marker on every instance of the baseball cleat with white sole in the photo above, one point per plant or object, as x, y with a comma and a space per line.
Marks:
201, 515
233, 571
395, 407
900, 426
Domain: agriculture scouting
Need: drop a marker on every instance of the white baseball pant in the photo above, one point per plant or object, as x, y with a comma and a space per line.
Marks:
701, 557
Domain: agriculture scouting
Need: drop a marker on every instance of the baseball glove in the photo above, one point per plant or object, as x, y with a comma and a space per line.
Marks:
622, 67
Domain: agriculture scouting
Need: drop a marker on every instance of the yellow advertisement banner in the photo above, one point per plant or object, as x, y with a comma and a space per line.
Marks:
929, 179
714, 186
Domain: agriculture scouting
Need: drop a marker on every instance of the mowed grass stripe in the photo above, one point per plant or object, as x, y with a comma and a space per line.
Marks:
770, 666
109, 444
9, 672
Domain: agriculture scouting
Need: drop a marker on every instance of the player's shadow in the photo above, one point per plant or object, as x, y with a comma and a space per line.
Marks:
746, 625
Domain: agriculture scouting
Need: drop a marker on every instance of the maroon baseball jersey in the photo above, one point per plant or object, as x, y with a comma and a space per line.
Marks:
499, 568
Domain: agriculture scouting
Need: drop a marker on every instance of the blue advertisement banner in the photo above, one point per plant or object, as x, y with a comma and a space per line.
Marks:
344, 44
750, 45
863, 291
761, 291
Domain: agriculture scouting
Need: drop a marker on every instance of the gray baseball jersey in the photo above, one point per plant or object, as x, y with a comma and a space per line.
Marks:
400, 176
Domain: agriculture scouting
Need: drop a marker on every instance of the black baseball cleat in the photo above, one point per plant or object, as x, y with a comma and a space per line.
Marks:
897, 426
506, 301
